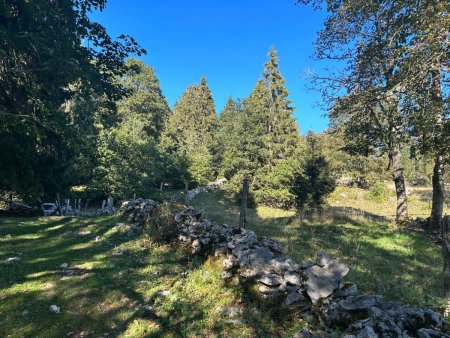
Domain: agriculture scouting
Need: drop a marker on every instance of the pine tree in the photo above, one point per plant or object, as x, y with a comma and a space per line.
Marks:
266, 140
190, 133
145, 99
280, 137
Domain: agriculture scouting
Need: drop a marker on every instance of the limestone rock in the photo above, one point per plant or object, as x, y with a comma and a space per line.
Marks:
323, 259
322, 281
293, 297
270, 279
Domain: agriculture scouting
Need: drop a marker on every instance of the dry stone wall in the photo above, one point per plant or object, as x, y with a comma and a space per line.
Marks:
315, 288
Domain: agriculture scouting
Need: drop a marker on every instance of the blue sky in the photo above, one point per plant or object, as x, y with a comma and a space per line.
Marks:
227, 41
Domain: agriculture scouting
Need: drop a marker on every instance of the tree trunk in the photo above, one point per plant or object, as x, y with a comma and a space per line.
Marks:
243, 211
395, 160
59, 204
437, 208
446, 254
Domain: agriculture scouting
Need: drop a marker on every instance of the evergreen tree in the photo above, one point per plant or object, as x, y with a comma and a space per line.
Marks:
270, 105
190, 134
43, 65
129, 157
145, 99
314, 181
260, 140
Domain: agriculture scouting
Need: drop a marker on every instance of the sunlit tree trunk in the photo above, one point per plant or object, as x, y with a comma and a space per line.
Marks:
395, 159
437, 207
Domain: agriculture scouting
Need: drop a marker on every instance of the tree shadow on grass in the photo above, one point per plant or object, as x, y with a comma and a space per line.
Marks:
399, 265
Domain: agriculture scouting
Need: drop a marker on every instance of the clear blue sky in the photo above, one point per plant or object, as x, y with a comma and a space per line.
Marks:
225, 40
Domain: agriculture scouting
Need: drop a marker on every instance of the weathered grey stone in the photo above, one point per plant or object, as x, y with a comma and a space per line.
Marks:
322, 281
293, 297
293, 288
230, 262
292, 278
346, 290
255, 258
273, 245
354, 303
270, 279
323, 259
279, 265
429, 333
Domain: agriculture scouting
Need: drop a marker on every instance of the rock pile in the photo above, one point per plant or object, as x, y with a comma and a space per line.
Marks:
206, 188
138, 211
312, 287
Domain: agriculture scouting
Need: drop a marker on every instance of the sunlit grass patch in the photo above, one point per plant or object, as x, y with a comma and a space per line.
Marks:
403, 266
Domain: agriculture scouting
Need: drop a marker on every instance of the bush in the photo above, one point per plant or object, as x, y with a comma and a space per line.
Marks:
378, 193
313, 183
161, 226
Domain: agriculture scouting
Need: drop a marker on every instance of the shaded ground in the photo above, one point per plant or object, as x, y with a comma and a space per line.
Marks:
120, 287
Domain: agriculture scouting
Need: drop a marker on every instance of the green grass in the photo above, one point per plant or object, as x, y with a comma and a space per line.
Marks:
399, 265
109, 299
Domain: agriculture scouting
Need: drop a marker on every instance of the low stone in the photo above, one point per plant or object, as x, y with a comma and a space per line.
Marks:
429, 333
282, 287
55, 309
230, 262
279, 265
271, 244
292, 278
25, 313
264, 289
346, 290
323, 259
293, 297
64, 266
354, 303
270, 279
220, 251
322, 281
256, 258
293, 288
11, 260
304, 266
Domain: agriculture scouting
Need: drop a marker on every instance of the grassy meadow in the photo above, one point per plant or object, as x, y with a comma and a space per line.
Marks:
121, 287
116, 286
359, 227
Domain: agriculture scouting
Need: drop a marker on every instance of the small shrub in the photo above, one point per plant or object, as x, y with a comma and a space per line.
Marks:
161, 226
378, 193
312, 184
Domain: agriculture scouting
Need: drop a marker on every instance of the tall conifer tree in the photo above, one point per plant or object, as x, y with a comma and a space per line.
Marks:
266, 147
190, 133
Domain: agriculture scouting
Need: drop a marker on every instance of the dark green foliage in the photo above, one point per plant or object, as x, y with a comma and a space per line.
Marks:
260, 139
130, 160
161, 226
50, 51
190, 135
314, 181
